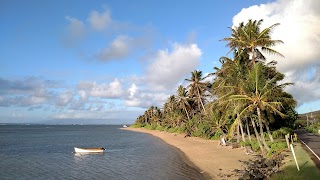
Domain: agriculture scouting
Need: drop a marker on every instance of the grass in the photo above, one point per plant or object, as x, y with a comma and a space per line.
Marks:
308, 170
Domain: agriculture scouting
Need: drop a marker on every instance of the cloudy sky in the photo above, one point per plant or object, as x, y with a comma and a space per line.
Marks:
107, 61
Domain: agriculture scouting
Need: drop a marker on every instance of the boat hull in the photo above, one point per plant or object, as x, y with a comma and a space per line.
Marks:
88, 150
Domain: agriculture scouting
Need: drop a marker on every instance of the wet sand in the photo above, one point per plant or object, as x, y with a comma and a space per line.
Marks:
213, 160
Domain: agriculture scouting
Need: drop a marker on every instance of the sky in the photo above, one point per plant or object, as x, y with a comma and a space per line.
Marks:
106, 62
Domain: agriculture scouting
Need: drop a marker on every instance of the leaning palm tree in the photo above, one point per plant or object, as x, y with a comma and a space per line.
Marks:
260, 94
250, 38
231, 75
197, 87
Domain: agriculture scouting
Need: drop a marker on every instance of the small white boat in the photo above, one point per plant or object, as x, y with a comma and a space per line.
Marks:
89, 150
124, 126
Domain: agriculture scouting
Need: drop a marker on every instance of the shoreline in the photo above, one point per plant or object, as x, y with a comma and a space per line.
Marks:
206, 156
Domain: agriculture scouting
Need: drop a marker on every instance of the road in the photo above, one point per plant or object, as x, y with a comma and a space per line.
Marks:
313, 141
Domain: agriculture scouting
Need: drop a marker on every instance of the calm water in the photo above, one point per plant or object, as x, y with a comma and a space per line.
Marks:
45, 152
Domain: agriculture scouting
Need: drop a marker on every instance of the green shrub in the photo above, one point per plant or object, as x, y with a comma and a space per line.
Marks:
160, 128
276, 148
172, 130
311, 129
255, 145
137, 125
280, 133
151, 126
216, 135
244, 144
181, 130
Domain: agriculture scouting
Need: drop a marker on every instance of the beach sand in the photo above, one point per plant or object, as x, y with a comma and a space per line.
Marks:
211, 159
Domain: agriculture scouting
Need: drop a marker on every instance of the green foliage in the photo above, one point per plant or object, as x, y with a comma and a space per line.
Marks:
137, 125
244, 144
172, 130
202, 130
151, 126
303, 123
253, 144
216, 135
280, 133
311, 129
244, 87
290, 120
178, 130
160, 128
276, 148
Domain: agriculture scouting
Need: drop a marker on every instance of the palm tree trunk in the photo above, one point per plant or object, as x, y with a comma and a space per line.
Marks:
201, 100
238, 133
261, 129
186, 113
241, 128
242, 133
257, 136
248, 130
269, 133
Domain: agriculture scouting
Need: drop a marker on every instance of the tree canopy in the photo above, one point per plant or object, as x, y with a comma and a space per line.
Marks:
245, 96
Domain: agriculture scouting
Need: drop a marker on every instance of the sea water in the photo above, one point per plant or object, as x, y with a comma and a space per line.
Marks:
46, 152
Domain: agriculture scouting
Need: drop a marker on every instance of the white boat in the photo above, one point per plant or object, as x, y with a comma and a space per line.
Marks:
125, 126
89, 150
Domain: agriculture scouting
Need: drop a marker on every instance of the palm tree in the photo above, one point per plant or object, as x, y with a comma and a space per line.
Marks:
197, 87
232, 74
170, 104
183, 99
250, 37
260, 94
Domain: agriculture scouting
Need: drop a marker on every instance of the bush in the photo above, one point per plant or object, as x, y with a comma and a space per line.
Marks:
160, 128
280, 133
311, 129
172, 130
216, 135
253, 144
244, 144
151, 126
137, 125
276, 148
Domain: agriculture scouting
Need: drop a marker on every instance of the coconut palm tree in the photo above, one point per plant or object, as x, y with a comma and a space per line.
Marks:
232, 74
197, 87
260, 94
183, 99
250, 38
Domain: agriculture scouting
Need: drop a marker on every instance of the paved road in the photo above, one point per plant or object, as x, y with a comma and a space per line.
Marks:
313, 141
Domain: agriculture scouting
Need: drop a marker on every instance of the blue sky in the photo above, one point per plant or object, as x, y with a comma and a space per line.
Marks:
106, 61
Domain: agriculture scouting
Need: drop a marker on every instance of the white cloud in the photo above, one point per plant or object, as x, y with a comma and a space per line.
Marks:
99, 21
144, 98
83, 95
111, 90
132, 90
118, 49
64, 98
170, 68
300, 30
123, 46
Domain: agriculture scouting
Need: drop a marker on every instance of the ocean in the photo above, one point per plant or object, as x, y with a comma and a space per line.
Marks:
46, 152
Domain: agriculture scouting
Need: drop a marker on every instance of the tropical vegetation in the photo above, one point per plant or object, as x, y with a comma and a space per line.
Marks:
243, 100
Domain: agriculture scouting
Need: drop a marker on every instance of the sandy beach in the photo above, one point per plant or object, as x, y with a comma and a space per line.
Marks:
213, 160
